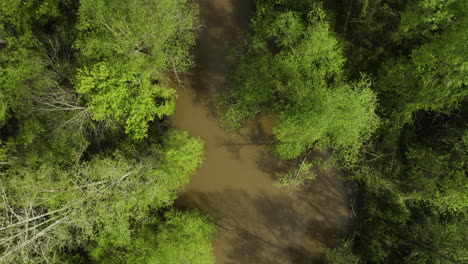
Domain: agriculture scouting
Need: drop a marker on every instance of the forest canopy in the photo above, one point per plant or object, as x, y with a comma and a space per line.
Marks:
89, 167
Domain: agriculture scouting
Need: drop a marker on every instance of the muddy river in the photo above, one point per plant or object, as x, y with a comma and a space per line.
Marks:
257, 221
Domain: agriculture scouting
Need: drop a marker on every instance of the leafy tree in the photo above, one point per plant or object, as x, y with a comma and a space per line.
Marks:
438, 241
432, 78
184, 237
94, 201
421, 238
21, 68
412, 175
29, 62
342, 254
73, 192
416, 51
343, 119
414, 198
176, 237
124, 93
126, 50
420, 19
298, 176
446, 189
294, 66
368, 26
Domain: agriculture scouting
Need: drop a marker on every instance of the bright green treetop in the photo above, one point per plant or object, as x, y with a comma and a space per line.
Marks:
295, 68
127, 50
183, 238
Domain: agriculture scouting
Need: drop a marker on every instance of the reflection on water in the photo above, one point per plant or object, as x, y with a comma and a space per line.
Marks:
258, 222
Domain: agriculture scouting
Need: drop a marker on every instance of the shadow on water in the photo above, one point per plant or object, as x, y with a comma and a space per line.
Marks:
259, 222
223, 24
271, 227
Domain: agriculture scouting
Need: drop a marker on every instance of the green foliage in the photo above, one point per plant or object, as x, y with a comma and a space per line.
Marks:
417, 51
446, 189
75, 189
22, 69
342, 255
294, 66
369, 27
21, 16
292, 179
125, 94
342, 119
110, 29
422, 18
433, 78
126, 49
412, 175
99, 200
423, 238
26, 60
438, 241
183, 238
416, 197
72, 74
179, 237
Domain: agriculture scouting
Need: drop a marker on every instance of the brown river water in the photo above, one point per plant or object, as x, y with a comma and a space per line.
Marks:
257, 221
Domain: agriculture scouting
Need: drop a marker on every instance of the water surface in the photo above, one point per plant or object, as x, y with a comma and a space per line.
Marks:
258, 222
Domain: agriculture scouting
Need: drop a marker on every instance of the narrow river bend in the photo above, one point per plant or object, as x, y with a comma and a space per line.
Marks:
258, 222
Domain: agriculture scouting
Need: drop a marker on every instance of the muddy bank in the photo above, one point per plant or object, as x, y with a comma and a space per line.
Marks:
258, 221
